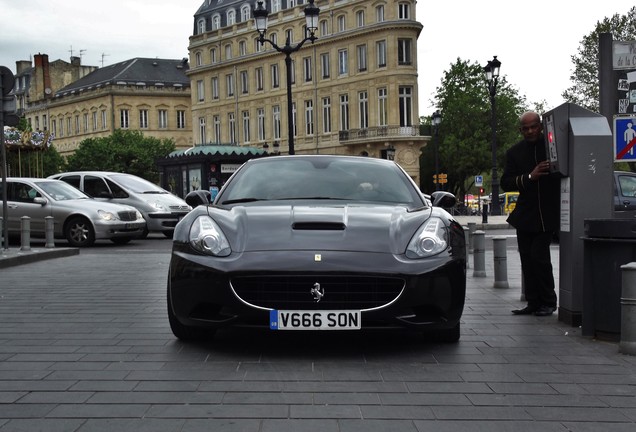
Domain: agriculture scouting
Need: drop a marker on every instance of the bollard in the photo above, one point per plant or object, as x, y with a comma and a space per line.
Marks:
628, 309
500, 262
472, 226
466, 241
25, 239
484, 214
50, 237
479, 256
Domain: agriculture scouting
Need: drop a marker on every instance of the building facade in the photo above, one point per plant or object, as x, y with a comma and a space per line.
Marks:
354, 89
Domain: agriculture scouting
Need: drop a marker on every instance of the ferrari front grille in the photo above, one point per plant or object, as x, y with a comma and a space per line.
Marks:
339, 291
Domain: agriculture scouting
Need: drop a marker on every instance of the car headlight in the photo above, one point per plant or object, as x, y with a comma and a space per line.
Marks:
159, 206
430, 239
138, 215
106, 215
207, 237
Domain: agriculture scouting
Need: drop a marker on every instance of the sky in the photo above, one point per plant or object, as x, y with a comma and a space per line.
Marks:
531, 39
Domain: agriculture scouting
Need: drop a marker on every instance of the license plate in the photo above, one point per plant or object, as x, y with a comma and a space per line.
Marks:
314, 320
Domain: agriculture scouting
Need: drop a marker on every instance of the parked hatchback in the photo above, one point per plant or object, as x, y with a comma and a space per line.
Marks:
76, 217
161, 209
624, 191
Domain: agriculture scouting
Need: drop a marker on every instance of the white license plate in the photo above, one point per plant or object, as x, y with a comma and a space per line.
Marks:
314, 320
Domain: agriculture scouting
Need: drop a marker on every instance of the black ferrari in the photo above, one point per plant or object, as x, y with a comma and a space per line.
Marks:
318, 243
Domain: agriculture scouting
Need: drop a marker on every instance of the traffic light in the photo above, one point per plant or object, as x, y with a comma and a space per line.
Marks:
481, 191
8, 116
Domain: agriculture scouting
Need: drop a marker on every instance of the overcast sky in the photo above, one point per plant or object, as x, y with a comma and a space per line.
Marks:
533, 40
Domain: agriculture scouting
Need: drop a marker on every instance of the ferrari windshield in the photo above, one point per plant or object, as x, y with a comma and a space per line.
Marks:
321, 178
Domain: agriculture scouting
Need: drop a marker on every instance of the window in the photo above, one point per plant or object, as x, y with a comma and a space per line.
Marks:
380, 49
292, 72
229, 83
143, 119
326, 114
259, 78
104, 120
215, 87
379, 13
85, 122
343, 62
324, 65
362, 57
197, 59
124, 120
94, 120
216, 22
244, 82
406, 106
242, 48
275, 77
344, 112
69, 130
276, 5
294, 122
163, 119
77, 125
246, 126
382, 107
342, 23
200, 91
276, 121
404, 11
257, 45
214, 57
228, 51
324, 28
404, 51
201, 26
231, 17
360, 18
217, 128
54, 127
181, 119
289, 36
232, 127
260, 115
307, 68
309, 117
45, 125
363, 107
245, 13
202, 138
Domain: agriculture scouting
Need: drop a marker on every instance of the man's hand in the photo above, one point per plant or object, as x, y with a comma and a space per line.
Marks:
542, 168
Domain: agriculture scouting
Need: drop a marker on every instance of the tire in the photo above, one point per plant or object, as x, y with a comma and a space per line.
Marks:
144, 233
450, 335
184, 332
79, 232
121, 240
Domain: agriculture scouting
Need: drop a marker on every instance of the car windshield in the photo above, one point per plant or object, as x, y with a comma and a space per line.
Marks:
352, 179
137, 184
60, 191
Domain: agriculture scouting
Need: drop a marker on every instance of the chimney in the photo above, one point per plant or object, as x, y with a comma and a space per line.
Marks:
42, 72
22, 65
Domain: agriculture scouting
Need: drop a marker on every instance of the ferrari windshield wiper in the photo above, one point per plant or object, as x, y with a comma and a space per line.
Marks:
241, 200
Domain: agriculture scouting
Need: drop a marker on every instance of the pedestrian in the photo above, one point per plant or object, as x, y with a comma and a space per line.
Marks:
536, 215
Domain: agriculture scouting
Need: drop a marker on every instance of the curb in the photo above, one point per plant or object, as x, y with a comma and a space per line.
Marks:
10, 258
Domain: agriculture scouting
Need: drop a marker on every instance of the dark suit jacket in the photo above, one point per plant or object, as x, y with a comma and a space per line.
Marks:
538, 205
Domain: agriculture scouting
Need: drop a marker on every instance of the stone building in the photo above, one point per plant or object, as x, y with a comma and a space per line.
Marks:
354, 89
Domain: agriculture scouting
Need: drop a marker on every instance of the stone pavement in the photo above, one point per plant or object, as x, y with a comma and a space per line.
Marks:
85, 345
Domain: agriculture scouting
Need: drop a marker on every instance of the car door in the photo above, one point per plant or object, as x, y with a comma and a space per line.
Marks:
20, 203
625, 192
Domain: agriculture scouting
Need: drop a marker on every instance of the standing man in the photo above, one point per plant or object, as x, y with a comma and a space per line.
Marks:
536, 216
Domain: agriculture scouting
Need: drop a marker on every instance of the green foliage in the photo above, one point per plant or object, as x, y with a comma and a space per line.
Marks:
465, 133
124, 151
585, 86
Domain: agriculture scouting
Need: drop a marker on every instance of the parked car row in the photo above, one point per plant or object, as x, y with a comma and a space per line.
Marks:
91, 206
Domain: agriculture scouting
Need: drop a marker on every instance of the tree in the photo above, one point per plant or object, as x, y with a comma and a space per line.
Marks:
124, 151
465, 135
585, 85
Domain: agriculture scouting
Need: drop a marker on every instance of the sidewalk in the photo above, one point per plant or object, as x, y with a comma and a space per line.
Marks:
14, 256
493, 222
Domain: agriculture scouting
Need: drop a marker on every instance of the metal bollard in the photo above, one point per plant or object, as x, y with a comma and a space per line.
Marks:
25, 238
500, 262
479, 256
627, 344
472, 226
484, 214
466, 241
50, 237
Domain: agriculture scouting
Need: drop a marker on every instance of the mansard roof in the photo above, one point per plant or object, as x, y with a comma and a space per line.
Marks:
136, 71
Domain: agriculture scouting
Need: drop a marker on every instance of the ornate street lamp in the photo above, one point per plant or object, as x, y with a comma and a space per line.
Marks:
260, 20
491, 70
436, 119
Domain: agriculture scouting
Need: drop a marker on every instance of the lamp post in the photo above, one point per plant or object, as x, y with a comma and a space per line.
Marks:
491, 71
260, 19
436, 119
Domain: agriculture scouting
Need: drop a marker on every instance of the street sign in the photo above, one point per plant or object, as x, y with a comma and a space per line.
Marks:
479, 181
625, 139
443, 178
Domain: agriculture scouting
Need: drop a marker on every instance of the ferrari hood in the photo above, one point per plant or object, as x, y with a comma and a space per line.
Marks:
367, 228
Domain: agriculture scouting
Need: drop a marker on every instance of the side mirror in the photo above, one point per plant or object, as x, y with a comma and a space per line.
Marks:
443, 199
197, 198
40, 200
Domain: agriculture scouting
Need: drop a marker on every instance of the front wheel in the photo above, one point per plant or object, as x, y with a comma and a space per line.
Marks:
79, 232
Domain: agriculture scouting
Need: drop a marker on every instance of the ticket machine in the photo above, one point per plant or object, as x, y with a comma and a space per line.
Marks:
580, 147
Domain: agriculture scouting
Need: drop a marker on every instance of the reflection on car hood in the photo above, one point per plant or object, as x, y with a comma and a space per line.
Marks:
368, 228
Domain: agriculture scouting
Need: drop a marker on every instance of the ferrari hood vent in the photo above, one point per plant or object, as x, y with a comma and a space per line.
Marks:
319, 226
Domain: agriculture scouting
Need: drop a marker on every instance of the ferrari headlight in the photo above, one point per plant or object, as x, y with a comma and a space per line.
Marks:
430, 239
207, 237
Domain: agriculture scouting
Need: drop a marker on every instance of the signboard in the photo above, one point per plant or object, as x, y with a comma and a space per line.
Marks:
624, 55
624, 64
479, 181
229, 168
625, 139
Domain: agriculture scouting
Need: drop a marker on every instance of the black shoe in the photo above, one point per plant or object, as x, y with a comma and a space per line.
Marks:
528, 310
545, 311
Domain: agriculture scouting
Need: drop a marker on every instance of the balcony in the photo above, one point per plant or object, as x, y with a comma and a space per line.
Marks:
380, 133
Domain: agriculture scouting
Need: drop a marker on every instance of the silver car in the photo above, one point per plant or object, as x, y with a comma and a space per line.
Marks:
76, 217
